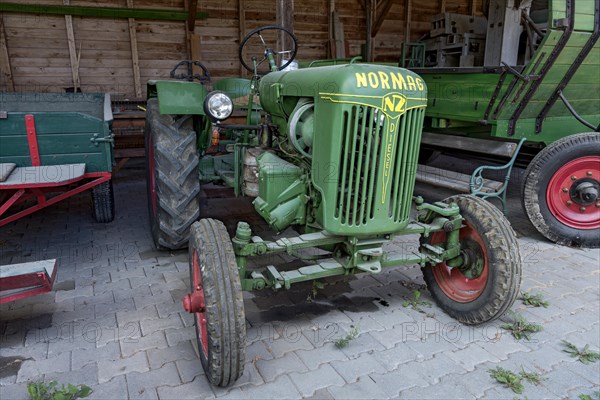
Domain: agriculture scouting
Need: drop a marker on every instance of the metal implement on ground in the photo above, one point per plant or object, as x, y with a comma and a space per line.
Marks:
325, 151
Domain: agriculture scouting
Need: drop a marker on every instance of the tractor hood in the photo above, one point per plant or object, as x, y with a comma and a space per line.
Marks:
390, 89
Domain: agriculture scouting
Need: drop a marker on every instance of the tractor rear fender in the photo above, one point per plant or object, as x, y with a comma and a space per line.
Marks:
178, 97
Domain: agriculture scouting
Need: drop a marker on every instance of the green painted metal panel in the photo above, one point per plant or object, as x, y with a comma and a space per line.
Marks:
64, 136
460, 96
179, 97
584, 13
585, 101
234, 87
99, 12
367, 130
553, 129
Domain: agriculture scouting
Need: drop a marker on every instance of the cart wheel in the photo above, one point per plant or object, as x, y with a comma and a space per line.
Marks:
103, 202
172, 178
488, 284
217, 303
561, 191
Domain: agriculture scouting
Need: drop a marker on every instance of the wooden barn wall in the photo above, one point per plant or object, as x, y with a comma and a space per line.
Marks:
39, 55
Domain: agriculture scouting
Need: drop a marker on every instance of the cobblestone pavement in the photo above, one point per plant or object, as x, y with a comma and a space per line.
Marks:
115, 320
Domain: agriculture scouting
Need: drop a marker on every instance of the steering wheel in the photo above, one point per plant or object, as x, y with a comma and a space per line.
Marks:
259, 38
189, 75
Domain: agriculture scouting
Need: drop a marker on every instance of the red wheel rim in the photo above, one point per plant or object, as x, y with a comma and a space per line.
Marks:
151, 172
198, 290
559, 192
451, 280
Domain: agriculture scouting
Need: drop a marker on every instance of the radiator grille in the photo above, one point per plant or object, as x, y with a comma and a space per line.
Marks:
361, 166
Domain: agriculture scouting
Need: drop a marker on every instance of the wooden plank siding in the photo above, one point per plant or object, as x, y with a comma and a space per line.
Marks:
39, 53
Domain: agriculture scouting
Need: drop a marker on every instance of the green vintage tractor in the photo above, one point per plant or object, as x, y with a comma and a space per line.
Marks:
332, 156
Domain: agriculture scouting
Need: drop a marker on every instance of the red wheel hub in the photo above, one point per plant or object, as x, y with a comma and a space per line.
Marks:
452, 281
195, 303
572, 193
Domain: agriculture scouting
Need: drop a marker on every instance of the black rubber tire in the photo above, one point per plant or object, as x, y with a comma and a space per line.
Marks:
504, 265
537, 177
225, 316
172, 160
103, 202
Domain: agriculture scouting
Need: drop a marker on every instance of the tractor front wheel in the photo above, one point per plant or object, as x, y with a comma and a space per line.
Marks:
172, 178
217, 303
561, 191
488, 282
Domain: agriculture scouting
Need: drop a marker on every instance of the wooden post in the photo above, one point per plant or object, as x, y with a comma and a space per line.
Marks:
241, 30
382, 10
74, 59
193, 39
285, 19
407, 18
135, 62
443, 6
4, 59
473, 7
192, 7
369, 16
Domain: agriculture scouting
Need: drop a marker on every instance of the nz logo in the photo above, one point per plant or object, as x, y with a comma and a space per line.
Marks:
394, 104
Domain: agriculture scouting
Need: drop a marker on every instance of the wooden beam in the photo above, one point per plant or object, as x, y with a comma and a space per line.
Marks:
192, 39
473, 7
339, 44
74, 59
285, 19
442, 6
135, 62
192, 6
195, 52
371, 10
4, 59
407, 19
241, 30
98, 12
383, 8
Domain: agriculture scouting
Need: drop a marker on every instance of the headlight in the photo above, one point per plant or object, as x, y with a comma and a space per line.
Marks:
218, 106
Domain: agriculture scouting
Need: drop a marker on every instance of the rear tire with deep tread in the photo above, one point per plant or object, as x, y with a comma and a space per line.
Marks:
103, 202
502, 259
172, 177
537, 178
225, 321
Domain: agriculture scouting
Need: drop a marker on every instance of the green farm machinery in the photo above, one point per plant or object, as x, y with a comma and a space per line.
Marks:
523, 88
330, 155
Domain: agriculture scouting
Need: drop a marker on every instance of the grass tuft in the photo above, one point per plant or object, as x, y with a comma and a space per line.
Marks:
520, 327
534, 300
584, 355
343, 342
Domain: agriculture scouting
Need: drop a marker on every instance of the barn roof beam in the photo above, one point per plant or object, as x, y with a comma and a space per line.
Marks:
100, 12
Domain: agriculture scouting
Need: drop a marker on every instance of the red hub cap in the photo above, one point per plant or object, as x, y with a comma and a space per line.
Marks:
452, 281
572, 194
195, 303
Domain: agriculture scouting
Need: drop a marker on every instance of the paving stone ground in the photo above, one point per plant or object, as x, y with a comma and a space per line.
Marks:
115, 320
